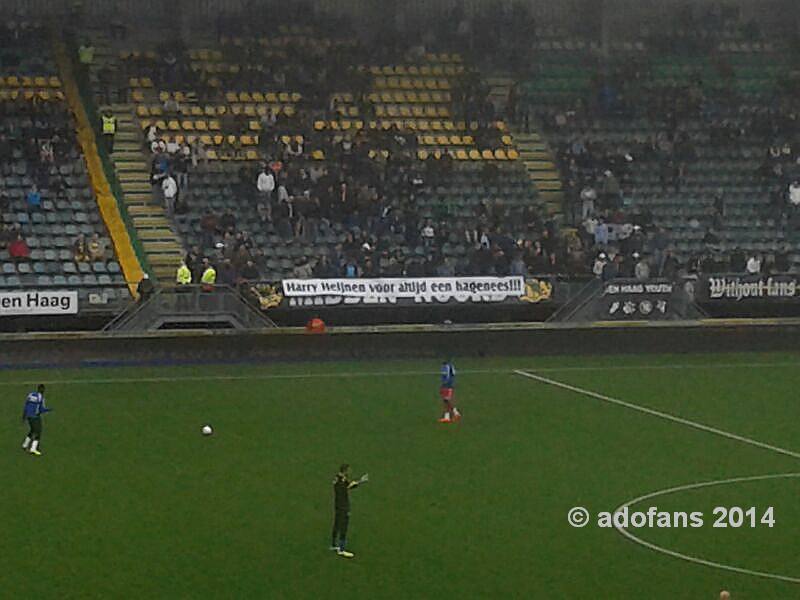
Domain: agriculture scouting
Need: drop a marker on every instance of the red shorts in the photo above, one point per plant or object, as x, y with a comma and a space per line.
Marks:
446, 394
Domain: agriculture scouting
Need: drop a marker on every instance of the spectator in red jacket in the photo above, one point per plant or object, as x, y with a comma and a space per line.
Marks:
18, 249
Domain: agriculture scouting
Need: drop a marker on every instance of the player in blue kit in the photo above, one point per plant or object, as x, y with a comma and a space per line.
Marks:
447, 393
33, 411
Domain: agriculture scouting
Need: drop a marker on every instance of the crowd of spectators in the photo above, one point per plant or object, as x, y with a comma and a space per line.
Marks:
37, 145
369, 184
599, 169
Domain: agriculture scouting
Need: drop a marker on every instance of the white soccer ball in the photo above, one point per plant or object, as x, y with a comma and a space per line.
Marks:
207, 430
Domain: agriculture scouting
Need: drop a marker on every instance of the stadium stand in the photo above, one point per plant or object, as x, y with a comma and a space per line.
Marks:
385, 163
51, 234
677, 144
681, 145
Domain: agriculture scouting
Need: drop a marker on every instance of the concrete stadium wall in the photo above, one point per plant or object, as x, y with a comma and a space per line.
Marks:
420, 342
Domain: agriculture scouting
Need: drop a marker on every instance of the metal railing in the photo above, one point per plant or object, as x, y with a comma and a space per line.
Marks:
191, 306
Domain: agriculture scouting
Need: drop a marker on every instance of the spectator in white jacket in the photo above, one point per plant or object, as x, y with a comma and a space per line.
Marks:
169, 187
794, 193
754, 265
265, 185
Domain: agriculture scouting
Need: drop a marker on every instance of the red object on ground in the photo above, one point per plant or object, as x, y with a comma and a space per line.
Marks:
315, 325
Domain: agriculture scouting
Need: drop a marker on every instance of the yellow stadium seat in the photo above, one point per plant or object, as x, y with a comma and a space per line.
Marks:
231, 97
162, 125
163, 96
461, 154
145, 123
250, 110
146, 82
201, 125
173, 125
179, 139
211, 154
319, 125
422, 154
289, 111
142, 111
475, 154
500, 154
513, 154
245, 97
187, 125
506, 139
251, 154
213, 125
155, 111
254, 126
258, 97
487, 154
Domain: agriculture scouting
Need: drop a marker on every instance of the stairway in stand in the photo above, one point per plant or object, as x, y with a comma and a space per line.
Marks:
533, 151
541, 167
160, 243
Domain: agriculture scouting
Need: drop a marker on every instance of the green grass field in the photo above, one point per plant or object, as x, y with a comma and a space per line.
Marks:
130, 501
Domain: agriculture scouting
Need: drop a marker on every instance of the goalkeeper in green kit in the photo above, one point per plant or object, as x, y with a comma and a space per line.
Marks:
342, 485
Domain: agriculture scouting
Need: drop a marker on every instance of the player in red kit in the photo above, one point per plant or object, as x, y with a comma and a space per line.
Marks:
447, 393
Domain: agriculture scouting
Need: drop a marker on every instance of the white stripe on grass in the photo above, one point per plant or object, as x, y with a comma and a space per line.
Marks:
659, 414
696, 559
356, 374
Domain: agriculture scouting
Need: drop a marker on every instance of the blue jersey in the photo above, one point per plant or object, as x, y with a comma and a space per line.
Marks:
34, 405
448, 375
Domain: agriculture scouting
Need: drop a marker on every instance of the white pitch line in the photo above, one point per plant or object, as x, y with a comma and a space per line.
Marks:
659, 414
346, 374
695, 559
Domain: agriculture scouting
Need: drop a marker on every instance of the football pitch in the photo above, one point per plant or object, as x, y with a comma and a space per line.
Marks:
130, 501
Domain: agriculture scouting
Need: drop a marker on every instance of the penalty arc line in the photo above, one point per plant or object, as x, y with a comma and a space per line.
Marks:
659, 414
694, 559
701, 427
